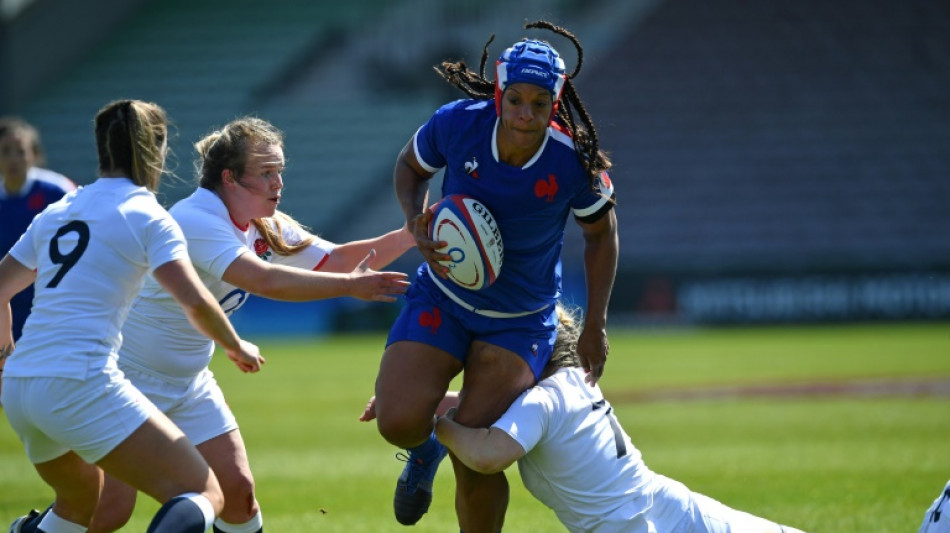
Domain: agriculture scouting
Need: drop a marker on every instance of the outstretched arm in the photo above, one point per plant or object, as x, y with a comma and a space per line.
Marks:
389, 246
291, 284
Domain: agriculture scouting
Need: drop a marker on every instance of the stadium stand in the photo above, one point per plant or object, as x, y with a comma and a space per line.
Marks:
758, 139
780, 136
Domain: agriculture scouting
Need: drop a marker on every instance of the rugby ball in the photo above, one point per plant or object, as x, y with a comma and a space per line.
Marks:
472, 240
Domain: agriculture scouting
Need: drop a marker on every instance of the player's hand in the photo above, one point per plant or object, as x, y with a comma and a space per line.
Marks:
427, 247
592, 349
248, 358
368, 284
369, 412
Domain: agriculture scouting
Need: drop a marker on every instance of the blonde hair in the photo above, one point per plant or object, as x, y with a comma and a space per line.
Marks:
565, 347
131, 138
227, 149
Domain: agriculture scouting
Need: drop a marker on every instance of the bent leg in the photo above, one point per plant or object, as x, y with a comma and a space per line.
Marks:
115, 506
160, 461
493, 379
227, 456
77, 485
413, 378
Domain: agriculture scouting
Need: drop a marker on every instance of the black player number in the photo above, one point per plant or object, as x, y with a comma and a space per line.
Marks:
614, 426
67, 260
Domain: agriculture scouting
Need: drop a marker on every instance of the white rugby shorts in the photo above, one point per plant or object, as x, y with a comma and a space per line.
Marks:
195, 405
90, 417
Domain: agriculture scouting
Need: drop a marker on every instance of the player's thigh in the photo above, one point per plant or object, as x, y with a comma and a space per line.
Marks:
493, 378
160, 461
413, 378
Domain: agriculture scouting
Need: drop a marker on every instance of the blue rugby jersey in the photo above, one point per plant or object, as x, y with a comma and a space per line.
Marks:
530, 204
42, 188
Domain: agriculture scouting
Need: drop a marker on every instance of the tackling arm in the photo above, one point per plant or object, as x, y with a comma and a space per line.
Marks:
484, 450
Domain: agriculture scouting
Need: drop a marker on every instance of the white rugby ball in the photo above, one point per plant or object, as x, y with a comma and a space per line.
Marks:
472, 240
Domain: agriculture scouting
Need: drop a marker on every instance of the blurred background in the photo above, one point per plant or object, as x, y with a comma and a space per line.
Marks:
781, 161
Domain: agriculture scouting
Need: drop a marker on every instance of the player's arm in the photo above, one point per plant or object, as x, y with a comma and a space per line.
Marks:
179, 278
601, 248
389, 246
14, 277
410, 181
484, 450
279, 282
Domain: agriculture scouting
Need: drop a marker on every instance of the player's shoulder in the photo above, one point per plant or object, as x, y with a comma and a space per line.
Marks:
51, 179
202, 207
561, 136
466, 110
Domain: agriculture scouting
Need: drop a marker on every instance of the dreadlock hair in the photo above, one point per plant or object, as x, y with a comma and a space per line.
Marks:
584, 134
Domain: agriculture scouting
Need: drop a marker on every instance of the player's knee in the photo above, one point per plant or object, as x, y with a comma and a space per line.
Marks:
240, 502
404, 430
108, 519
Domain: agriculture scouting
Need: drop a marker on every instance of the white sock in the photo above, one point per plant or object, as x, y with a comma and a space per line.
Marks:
251, 526
54, 524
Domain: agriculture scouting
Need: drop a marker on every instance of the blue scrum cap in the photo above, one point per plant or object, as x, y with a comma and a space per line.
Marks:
530, 61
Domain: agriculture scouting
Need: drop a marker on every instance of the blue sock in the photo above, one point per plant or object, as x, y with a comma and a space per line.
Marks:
429, 450
188, 513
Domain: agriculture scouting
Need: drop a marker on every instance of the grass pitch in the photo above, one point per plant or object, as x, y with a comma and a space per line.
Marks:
767, 420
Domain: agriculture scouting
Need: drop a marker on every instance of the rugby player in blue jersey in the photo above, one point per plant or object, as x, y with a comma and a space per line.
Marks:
525, 147
25, 189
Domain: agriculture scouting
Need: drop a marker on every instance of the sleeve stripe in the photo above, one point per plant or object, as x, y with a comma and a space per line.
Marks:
415, 148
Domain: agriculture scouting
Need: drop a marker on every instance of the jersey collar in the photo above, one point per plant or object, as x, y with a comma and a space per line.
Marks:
534, 158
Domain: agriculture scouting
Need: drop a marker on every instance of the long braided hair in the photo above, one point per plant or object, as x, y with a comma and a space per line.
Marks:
584, 134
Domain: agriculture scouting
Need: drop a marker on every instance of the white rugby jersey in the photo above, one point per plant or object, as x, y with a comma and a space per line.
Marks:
937, 518
91, 251
578, 461
157, 335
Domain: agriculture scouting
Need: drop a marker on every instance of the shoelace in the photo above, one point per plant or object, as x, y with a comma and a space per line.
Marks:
416, 470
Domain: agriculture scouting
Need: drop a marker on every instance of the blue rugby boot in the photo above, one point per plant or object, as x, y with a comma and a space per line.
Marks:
414, 488
20, 524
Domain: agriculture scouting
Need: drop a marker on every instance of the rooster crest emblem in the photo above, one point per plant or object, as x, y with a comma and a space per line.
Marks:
470, 168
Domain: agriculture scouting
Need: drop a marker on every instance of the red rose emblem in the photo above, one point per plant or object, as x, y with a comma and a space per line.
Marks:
260, 247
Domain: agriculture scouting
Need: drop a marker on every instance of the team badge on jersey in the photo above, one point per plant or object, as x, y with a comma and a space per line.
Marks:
470, 168
261, 249
546, 189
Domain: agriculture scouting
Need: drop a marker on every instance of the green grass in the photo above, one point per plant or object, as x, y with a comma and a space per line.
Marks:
823, 463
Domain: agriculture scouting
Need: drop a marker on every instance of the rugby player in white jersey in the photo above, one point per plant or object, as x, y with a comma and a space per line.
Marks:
240, 245
574, 457
62, 392
937, 518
